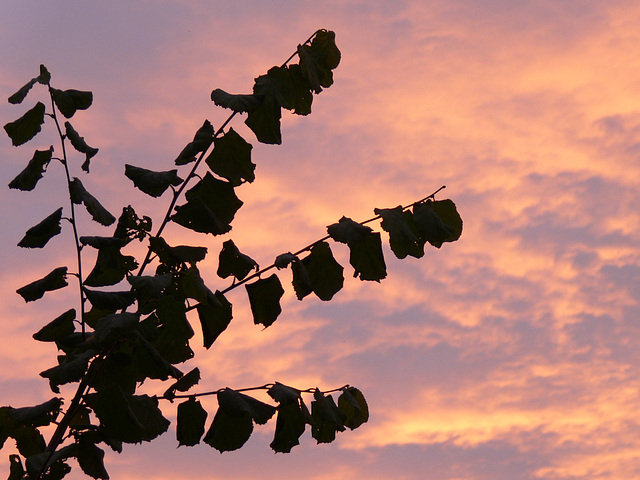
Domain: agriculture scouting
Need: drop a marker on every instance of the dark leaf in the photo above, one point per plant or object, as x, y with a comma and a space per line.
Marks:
80, 195
27, 126
367, 259
173, 330
183, 384
58, 328
28, 178
29, 440
174, 256
69, 101
301, 280
430, 225
231, 159
21, 94
37, 416
80, 145
201, 142
91, 459
237, 404
228, 433
149, 363
264, 298
131, 226
237, 103
404, 238
149, 287
111, 327
352, 403
327, 418
150, 182
319, 59
447, 211
325, 274
16, 469
45, 77
53, 281
111, 265
56, 468
191, 422
264, 121
214, 318
290, 425
210, 208
110, 300
287, 87
284, 259
193, 286
347, 231
284, 394
233, 262
38, 235
71, 369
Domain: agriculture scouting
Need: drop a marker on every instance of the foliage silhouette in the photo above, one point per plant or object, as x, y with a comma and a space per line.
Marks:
138, 330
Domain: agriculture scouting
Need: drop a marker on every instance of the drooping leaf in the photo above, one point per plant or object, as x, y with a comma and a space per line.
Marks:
45, 77
70, 101
448, 212
404, 238
38, 235
183, 384
193, 286
71, 369
327, 418
237, 103
56, 468
52, 281
283, 393
149, 287
264, 299
91, 459
111, 265
37, 416
231, 159
21, 94
301, 279
128, 418
27, 126
191, 422
348, 231
57, 328
319, 59
174, 256
367, 259
173, 330
151, 182
214, 318
28, 178
290, 425
430, 225
201, 142
149, 363
264, 121
110, 300
113, 326
228, 433
288, 87
80, 195
352, 403
233, 262
237, 404
29, 440
80, 145
210, 208
325, 273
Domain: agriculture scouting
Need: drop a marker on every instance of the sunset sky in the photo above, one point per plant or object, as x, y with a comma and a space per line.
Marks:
512, 354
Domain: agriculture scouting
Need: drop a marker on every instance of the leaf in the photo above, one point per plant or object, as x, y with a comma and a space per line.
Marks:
29, 440
404, 238
327, 418
237, 103
111, 327
325, 273
201, 142
80, 145
110, 300
301, 280
214, 318
149, 287
264, 298
27, 126
231, 159
237, 404
191, 422
128, 418
21, 94
37, 416
111, 266
283, 394
284, 259
290, 425
16, 470
319, 59
279, 85
150, 182
174, 256
80, 195
58, 328
91, 459
173, 330
149, 363
52, 281
28, 178
353, 404
70, 369
232, 262
194, 287
183, 384
70, 101
348, 231
264, 121
210, 208
367, 259
228, 433
38, 235
431, 226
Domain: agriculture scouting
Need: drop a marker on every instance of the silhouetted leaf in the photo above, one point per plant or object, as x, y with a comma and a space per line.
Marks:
290, 425
193, 286
264, 298
38, 235
283, 394
172, 330
301, 280
237, 404
150, 182
367, 259
80, 145
16, 469
191, 422
214, 318
37, 416
80, 195
264, 121
284, 259
404, 238
69, 101
325, 274
210, 208
149, 286
327, 418
149, 363
201, 142
111, 327
91, 459
183, 384
111, 265
233, 262
21, 94
28, 178
231, 159
287, 87
228, 433
348, 231
447, 211
352, 403
173, 256
53, 281
70, 369
57, 328
319, 59
431, 226
237, 103
29, 440
110, 300
27, 126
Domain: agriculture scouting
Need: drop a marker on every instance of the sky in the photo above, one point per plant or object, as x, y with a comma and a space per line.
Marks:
511, 354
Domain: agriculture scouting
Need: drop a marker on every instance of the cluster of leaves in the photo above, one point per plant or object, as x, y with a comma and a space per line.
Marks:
137, 329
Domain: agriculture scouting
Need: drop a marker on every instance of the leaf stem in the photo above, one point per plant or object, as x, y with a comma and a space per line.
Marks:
266, 386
